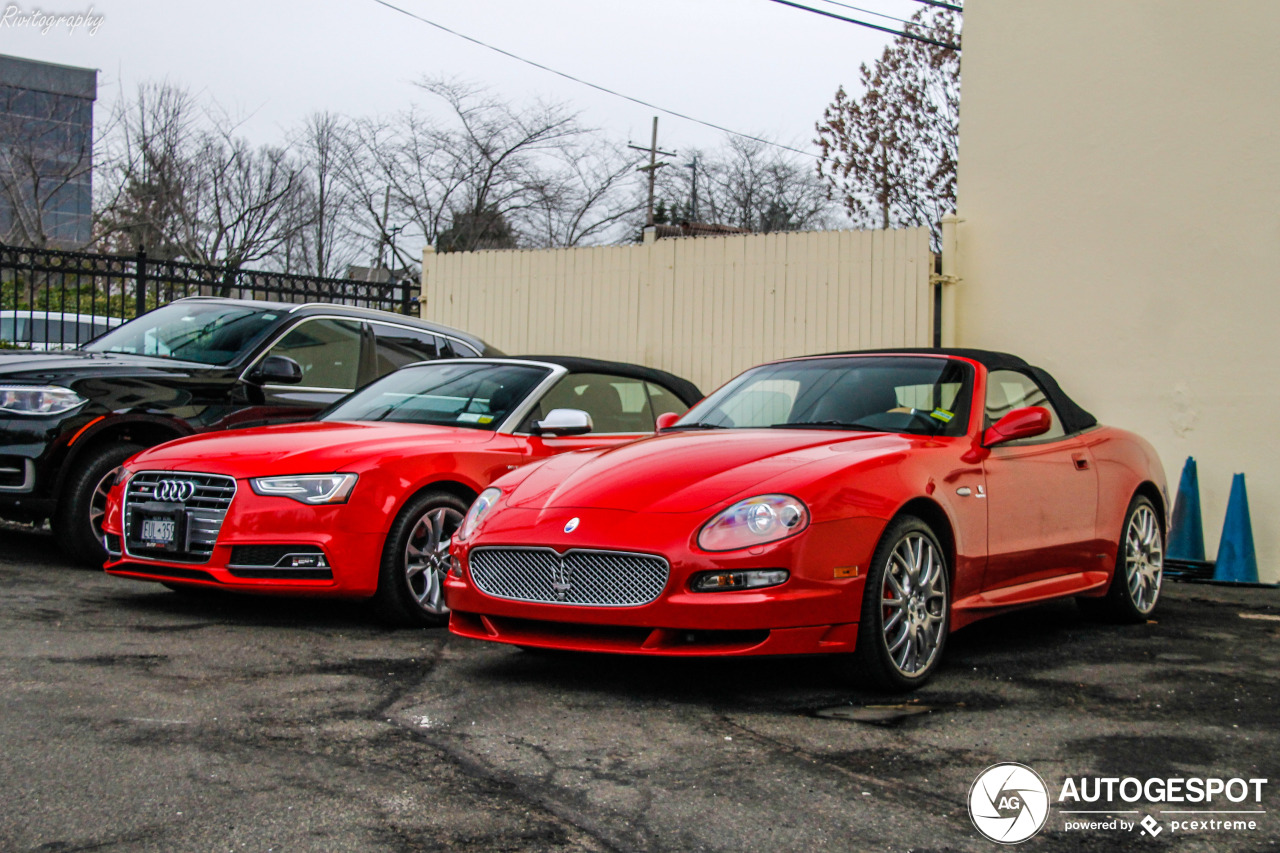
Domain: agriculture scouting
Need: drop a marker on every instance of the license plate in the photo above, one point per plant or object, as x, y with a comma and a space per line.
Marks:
158, 532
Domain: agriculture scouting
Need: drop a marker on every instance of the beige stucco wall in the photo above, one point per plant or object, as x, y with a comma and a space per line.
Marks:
1120, 190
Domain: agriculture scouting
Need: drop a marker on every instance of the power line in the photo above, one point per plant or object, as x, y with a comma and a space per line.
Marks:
867, 11
890, 30
595, 86
942, 5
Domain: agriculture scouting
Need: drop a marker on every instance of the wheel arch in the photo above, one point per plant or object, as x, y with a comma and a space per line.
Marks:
1151, 492
146, 432
931, 513
457, 488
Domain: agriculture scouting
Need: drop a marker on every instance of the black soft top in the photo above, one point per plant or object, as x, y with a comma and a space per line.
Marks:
1073, 417
682, 388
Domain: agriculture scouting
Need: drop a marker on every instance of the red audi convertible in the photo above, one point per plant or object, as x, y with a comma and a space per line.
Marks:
362, 502
862, 504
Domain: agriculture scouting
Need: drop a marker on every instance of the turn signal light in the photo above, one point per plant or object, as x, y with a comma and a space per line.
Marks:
744, 579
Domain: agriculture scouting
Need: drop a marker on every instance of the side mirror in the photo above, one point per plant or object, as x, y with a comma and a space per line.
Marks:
276, 370
1020, 423
562, 422
666, 419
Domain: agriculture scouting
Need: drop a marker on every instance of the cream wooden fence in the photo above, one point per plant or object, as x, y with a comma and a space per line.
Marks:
704, 308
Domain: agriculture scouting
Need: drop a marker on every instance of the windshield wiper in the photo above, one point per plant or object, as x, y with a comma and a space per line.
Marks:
826, 425
698, 425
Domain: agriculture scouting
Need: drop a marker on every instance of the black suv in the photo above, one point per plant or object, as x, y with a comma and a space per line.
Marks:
68, 419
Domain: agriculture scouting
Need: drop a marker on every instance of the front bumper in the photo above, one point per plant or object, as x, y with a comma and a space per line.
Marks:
815, 611
353, 555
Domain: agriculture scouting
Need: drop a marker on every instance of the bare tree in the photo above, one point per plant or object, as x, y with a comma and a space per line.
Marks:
890, 156
486, 174
323, 244
245, 204
181, 183
746, 184
586, 191
46, 160
146, 170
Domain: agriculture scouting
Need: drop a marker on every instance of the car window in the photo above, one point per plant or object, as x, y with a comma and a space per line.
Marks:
473, 395
209, 333
398, 346
617, 404
662, 401
328, 351
456, 349
905, 394
1008, 390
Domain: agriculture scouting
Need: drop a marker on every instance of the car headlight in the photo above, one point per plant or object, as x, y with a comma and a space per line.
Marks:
307, 488
478, 511
754, 521
38, 399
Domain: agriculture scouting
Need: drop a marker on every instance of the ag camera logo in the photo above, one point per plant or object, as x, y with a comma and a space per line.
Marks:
1008, 803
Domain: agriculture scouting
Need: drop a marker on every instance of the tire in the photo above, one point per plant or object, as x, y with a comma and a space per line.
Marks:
415, 560
900, 645
1135, 585
77, 526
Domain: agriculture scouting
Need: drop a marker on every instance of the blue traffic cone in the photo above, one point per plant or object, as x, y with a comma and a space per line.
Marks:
1186, 535
1237, 560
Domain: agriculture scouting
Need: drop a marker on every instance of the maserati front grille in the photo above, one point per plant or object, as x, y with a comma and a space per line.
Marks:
582, 577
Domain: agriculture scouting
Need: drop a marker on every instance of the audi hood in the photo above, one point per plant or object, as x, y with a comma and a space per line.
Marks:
306, 448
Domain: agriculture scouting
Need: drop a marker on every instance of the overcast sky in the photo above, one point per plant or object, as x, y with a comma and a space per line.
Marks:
751, 65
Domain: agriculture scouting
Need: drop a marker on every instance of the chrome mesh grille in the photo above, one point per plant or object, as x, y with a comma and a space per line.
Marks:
582, 577
205, 511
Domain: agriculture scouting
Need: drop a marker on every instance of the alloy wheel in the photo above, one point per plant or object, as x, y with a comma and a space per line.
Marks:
1144, 558
913, 599
98, 502
426, 557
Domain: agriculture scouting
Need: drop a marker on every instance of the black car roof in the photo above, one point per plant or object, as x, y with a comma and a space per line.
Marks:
1074, 418
990, 359
683, 388
305, 308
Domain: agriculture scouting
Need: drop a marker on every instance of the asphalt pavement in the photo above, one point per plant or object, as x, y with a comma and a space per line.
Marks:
137, 718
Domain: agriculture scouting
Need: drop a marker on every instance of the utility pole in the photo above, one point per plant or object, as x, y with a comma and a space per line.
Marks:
693, 203
653, 166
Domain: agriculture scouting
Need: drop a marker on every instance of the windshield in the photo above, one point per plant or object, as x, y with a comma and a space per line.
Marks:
922, 396
208, 333
472, 395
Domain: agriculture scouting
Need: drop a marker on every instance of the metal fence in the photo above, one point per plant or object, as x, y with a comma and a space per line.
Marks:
54, 300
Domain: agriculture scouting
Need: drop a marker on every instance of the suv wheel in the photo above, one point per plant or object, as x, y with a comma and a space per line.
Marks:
78, 523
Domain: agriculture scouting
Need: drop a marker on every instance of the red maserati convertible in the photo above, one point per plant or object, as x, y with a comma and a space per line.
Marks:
362, 501
864, 504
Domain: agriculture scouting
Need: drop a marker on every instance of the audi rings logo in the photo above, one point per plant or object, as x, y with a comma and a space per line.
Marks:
1008, 803
178, 491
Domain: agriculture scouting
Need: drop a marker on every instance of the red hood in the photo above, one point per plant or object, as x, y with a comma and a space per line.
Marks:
685, 472
308, 448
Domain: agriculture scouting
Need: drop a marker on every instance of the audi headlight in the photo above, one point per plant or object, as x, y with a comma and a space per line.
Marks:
38, 399
478, 511
755, 521
307, 488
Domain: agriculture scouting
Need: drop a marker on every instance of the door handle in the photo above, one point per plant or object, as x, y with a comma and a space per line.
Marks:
1081, 460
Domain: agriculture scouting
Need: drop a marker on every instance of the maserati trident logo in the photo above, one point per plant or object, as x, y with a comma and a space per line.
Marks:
561, 578
1008, 803
178, 491
572, 525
